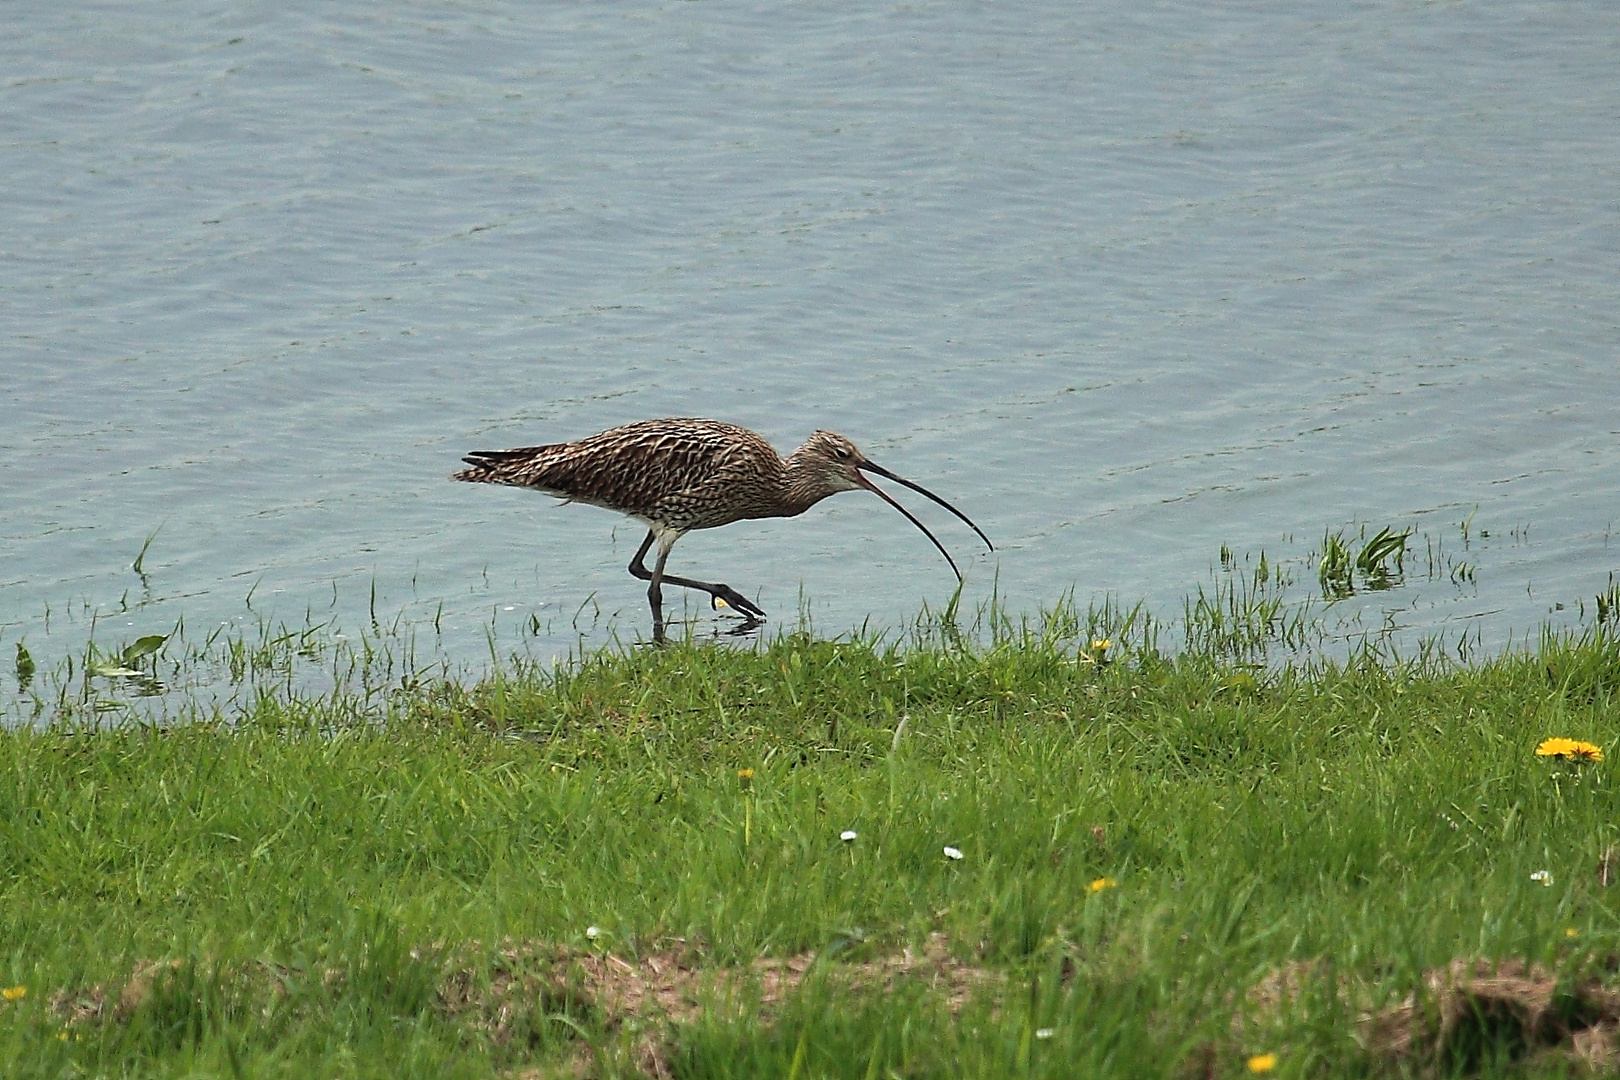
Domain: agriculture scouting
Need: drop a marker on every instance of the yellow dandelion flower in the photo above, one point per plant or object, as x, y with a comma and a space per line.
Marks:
1260, 1063
1100, 884
1572, 932
14, 993
1569, 750
745, 774
1101, 644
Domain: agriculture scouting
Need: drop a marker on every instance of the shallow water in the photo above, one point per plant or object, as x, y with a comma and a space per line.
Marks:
1124, 282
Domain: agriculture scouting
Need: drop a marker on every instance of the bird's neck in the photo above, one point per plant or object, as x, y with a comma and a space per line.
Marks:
800, 486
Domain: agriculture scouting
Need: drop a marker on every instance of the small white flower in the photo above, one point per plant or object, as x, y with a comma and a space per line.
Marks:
593, 932
847, 836
953, 853
1044, 1033
1542, 876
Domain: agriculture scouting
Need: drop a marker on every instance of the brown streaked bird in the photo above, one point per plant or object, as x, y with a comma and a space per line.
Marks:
682, 474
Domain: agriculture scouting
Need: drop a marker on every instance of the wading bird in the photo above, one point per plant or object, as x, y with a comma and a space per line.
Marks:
678, 475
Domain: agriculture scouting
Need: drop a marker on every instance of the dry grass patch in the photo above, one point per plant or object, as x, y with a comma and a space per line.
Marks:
511, 992
673, 984
118, 1001
1470, 1008
1463, 1014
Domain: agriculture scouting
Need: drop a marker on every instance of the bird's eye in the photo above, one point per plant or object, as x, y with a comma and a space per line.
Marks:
843, 455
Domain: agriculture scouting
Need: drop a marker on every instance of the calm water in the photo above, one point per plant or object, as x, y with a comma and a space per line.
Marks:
1124, 281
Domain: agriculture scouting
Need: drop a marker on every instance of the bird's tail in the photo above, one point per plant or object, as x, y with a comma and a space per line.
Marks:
519, 467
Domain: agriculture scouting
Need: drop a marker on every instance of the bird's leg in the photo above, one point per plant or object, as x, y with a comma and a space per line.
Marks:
657, 576
655, 592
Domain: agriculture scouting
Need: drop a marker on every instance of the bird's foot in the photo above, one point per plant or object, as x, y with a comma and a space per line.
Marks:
724, 596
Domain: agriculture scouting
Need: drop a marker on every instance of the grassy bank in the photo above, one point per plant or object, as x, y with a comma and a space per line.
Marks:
1169, 865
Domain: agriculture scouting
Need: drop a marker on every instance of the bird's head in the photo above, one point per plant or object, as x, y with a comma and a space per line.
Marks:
828, 463
832, 462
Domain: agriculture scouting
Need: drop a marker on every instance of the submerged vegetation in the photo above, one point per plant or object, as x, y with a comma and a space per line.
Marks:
1087, 843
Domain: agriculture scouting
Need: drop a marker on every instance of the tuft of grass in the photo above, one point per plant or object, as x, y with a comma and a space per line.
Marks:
25, 668
139, 566
1247, 616
1607, 604
1375, 564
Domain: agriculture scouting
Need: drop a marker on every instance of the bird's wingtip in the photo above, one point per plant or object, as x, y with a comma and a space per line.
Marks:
479, 470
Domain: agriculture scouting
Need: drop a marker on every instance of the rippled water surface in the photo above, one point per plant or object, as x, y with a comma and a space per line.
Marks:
1126, 282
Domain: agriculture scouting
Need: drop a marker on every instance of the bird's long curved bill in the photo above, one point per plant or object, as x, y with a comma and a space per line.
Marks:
880, 493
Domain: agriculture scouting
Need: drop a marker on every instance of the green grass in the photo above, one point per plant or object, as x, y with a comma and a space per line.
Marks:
295, 883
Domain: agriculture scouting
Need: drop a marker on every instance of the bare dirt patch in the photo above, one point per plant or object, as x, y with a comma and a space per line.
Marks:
93, 1004
527, 982
1470, 1007
1464, 1013
673, 984
510, 992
